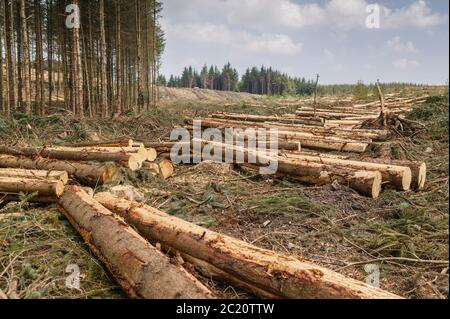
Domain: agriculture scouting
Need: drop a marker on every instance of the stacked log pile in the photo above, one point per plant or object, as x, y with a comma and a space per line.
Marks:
365, 175
89, 164
355, 115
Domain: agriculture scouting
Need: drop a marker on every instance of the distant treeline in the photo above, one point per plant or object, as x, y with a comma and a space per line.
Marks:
265, 81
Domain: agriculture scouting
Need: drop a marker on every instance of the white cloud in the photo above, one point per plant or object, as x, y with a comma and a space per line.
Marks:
221, 34
405, 64
418, 14
279, 44
266, 14
396, 45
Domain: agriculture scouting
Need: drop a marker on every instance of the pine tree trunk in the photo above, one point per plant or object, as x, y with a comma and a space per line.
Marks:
39, 94
26, 60
77, 70
50, 51
103, 58
11, 99
118, 102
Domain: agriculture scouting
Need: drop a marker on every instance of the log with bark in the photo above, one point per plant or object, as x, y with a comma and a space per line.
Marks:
307, 140
367, 183
258, 118
132, 162
376, 135
86, 174
144, 154
42, 187
62, 176
140, 269
399, 177
261, 271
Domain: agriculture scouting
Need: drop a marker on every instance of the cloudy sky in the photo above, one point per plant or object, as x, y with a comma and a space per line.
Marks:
305, 37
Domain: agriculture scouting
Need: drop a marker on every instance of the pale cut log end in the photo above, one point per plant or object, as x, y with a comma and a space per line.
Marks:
166, 168
376, 187
407, 179
64, 177
111, 174
152, 154
367, 183
422, 177
59, 188
135, 162
130, 143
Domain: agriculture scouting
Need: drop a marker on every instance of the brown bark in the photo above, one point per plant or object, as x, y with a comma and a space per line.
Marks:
39, 71
118, 102
399, 177
132, 162
103, 62
140, 269
17, 185
77, 71
276, 274
26, 90
367, 183
91, 175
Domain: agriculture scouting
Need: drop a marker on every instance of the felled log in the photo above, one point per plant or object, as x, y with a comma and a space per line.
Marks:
17, 185
86, 174
141, 270
399, 177
145, 154
259, 118
132, 162
35, 174
275, 274
367, 183
418, 170
307, 140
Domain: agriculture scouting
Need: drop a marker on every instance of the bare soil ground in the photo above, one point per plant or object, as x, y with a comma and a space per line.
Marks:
406, 234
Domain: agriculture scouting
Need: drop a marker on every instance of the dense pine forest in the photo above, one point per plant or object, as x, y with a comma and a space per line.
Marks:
91, 58
265, 81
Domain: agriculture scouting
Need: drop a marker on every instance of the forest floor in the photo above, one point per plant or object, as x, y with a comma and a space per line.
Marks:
333, 227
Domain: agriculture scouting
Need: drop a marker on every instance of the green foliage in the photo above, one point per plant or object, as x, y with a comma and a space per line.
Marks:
288, 203
361, 91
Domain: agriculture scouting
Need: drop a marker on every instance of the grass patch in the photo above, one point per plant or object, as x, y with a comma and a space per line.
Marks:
289, 203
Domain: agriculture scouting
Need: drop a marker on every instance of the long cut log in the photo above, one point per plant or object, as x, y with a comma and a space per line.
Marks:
276, 274
86, 174
367, 183
17, 185
132, 162
35, 174
140, 269
399, 177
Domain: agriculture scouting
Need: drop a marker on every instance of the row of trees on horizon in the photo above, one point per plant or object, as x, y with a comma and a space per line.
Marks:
106, 66
265, 81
